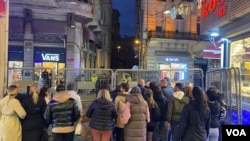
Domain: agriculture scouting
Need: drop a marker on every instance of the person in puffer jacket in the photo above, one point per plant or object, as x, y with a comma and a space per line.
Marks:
175, 107
102, 114
62, 113
136, 128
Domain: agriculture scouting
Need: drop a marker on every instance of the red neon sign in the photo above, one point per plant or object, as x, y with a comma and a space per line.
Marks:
210, 6
2, 8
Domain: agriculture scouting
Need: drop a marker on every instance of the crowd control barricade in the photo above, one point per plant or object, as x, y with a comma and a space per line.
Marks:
228, 82
87, 81
122, 75
192, 77
42, 77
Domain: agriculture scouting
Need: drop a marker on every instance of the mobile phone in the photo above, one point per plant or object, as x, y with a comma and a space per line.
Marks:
28, 89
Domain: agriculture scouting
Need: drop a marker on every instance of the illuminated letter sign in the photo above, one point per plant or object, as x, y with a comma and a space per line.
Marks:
172, 59
210, 6
50, 57
2, 8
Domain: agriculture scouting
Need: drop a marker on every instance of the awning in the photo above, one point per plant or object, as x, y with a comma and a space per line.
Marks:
16, 24
49, 26
213, 51
88, 35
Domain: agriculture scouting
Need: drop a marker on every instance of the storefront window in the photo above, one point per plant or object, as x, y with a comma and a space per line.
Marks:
15, 73
240, 58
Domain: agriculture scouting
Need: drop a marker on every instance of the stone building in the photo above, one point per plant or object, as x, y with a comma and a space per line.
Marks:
59, 34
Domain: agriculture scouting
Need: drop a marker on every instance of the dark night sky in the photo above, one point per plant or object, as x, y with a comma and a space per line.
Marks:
127, 18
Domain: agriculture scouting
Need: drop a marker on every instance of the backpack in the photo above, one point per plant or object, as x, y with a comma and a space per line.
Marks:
125, 116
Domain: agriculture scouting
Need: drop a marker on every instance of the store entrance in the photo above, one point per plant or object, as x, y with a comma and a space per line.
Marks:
173, 71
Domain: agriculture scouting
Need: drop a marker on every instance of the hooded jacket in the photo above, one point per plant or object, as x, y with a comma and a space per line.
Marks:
120, 107
102, 114
162, 103
135, 129
175, 106
62, 113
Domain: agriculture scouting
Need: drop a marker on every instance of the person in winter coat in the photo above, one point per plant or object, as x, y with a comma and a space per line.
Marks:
195, 119
120, 101
136, 128
62, 112
175, 107
10, 112
34, 123
161, 126
102, 114
155, 113
166, 87
215, 109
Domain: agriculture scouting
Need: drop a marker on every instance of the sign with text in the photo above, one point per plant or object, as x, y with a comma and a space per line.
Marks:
171, 59
2, 8
210, 6
235, 132
50, 57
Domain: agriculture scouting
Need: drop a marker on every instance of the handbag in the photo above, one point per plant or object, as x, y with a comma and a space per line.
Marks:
125, 116
80, 129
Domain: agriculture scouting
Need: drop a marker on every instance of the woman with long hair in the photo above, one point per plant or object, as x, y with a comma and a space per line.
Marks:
154, 113
10, 112
34, 123
215, 109
102, 114
195, 119
44, 93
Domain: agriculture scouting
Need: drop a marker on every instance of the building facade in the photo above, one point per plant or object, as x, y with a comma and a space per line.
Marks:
59, 34
115, 38
170, 35
230, 20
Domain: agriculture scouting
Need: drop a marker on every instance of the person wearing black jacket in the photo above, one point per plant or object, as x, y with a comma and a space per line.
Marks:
215, 109
195, 119
34, 123
102, 114
161, 127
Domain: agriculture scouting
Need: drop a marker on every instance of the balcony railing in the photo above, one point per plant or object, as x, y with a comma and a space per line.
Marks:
177, 35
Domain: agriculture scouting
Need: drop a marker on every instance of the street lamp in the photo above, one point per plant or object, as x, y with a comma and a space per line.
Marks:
118, 48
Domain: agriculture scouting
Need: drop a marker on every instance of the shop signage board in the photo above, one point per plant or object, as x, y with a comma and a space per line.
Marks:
50, 57
171, 59
2, 8
211, 6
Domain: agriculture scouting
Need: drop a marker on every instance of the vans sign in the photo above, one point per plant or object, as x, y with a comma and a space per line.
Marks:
50, 57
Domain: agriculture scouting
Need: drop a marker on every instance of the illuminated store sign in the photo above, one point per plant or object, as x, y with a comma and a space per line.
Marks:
172, 59
50, 57
210, 6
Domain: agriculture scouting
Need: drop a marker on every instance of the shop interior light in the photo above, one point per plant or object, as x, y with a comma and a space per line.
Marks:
166, 12
214, 34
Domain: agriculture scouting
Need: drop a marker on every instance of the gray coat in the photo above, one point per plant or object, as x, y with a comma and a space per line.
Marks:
136, 130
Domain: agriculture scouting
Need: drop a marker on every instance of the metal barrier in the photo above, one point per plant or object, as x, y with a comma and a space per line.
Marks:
30, 76
87, 81
227, 80
122, 75
193, 77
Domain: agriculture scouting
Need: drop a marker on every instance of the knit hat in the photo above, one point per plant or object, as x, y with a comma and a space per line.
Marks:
135, 90
60, 88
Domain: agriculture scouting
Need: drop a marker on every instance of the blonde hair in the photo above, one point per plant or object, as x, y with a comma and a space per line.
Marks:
35, 95
12, 92
104, 94
188, 90
148, 94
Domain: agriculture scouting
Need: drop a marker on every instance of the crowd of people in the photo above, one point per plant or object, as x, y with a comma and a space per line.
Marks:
151, 111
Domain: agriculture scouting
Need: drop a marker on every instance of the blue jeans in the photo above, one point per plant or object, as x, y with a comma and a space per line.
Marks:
160, 131
63, 136
174, 129
213, 134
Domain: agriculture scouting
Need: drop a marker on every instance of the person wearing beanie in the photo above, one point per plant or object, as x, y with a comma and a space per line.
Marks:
136, 128
58, 108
